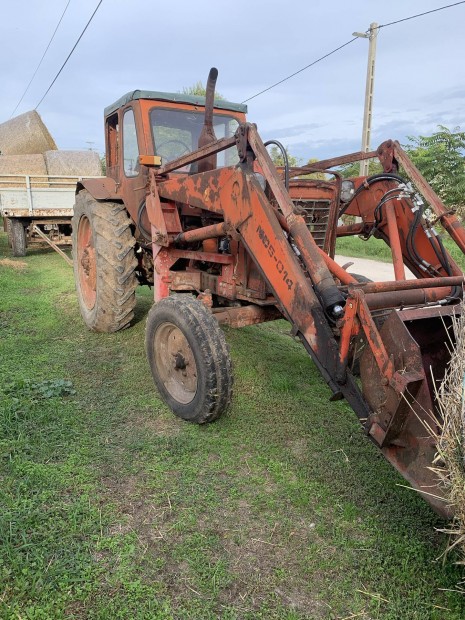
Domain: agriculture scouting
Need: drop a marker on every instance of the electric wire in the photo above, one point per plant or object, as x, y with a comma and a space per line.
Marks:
41, 60
441, 8
300, 70
405, 19
70, 54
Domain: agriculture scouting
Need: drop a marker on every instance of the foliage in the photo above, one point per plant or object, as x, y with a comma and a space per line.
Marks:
441, 160
352, 170
278, 160
199, 89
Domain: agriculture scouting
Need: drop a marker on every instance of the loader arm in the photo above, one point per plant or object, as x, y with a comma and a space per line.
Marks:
326, 307
305, 299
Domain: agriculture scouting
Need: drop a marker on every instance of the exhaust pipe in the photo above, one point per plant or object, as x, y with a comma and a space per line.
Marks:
207, 135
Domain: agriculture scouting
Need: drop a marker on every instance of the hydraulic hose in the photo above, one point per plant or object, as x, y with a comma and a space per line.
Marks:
285, 160
382, 176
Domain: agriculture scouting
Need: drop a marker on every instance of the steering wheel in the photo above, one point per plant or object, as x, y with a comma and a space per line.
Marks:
164, 158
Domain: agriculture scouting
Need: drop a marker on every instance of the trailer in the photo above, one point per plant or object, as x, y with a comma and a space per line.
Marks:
37, 208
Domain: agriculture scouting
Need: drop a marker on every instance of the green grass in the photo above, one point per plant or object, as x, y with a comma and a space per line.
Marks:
377, 249
110, 507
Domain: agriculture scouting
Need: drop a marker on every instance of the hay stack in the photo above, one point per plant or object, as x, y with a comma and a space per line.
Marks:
450, 461
25, 134
21, 164
73, 163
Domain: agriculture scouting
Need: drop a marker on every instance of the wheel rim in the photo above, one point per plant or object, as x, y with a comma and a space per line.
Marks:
87, 264
175, 363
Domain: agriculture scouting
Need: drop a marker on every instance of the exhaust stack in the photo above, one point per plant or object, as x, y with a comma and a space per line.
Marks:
207, 135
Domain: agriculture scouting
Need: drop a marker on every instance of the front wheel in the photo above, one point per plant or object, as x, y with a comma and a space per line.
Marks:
189, 358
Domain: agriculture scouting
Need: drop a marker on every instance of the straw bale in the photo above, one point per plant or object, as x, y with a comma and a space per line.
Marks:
73, 163
450, 442
25, 134
21, 164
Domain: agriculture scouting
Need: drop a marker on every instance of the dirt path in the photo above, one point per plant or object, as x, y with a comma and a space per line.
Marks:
373, 269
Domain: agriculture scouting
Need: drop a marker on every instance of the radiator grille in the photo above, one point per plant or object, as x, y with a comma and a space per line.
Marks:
316, 215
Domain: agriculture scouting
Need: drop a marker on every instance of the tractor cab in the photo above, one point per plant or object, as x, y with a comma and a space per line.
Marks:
167, 125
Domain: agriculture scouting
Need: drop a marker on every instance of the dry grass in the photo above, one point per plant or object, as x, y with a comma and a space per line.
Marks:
450, 459
18, 265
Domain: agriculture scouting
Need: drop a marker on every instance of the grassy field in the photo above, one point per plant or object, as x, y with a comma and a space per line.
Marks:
377, 249
111, 508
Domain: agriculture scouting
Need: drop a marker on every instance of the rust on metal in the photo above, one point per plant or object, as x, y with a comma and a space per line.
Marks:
251, 250
246, 315
405, 285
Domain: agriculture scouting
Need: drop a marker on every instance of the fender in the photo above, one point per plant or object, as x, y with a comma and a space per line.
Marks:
103, 188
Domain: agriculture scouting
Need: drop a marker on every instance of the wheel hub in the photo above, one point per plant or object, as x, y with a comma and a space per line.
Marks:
175, 362
179, 361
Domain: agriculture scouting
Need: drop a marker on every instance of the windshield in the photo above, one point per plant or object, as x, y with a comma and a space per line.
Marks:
176, 132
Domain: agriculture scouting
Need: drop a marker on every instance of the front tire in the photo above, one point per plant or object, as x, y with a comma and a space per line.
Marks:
189, 358
17, 236
104, 263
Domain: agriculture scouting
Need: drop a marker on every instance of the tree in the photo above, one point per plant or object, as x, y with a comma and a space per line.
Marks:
199, 89
349, 171
441, 160
277, 157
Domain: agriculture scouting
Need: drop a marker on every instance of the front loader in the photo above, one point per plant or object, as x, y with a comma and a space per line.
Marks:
193, 206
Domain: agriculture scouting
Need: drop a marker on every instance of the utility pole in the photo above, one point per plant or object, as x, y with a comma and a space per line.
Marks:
371, 35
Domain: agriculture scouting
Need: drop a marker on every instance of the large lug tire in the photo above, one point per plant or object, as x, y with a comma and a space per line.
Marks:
189, 358
104, 262
17, 236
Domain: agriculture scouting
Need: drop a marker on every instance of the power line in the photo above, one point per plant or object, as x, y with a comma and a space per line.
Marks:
405, 19
441, 8
70, 54
41, 60
303, 69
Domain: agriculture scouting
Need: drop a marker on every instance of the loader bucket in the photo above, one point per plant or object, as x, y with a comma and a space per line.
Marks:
406, 419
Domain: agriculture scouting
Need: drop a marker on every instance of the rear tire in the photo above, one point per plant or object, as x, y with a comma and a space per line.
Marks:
189, 358
17, 236
104, 263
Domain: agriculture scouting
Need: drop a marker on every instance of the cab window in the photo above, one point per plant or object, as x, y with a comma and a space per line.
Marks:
176, 133
130, 146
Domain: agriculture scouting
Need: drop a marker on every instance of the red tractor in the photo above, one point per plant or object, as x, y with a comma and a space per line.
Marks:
193, 206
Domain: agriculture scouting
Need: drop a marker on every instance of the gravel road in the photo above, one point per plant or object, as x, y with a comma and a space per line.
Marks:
373, 269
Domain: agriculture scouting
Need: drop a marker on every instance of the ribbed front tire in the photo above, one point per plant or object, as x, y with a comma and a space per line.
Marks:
189, 358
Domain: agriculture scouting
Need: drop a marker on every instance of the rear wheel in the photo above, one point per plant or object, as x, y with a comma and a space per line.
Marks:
17, 236
189, 358
104, 263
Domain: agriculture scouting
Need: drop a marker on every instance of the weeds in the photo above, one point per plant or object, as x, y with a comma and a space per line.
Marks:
113, 508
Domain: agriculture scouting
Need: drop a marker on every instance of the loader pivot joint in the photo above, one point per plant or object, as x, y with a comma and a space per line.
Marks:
242, 141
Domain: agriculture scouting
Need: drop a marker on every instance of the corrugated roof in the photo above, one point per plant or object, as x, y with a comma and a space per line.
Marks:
221, 104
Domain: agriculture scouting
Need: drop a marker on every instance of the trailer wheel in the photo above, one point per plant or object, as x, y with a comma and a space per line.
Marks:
104, 263
17, 236
189, 358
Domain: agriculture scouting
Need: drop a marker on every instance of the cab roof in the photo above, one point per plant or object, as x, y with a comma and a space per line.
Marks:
197, 100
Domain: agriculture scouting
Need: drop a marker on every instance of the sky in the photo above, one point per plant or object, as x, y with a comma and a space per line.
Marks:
165, 46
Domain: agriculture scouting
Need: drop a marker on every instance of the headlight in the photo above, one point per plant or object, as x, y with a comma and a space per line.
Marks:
347, 190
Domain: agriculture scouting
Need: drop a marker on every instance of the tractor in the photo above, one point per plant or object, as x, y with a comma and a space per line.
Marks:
193, 206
